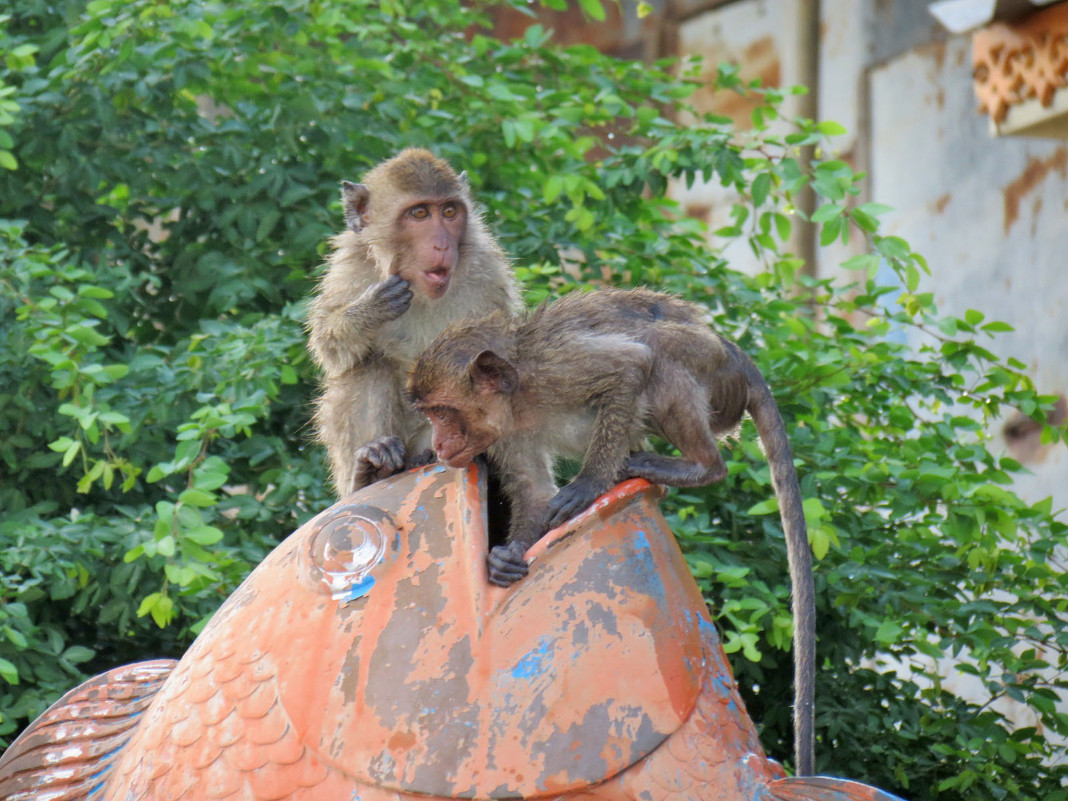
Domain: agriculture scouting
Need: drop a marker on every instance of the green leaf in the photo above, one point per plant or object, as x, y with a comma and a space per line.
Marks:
204, 535
863, 261
77, 654
761, 188
8, 671
16, 638
197, 497
996, 327
827, 212
831, 128
766, 507
888, 633
72, 451
593, 9
267, 223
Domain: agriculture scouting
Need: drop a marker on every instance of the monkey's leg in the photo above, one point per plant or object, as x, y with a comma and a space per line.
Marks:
358, 410
680, 417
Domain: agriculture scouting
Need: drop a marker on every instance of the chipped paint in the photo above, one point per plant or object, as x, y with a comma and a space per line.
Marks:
1036, 171
533, 663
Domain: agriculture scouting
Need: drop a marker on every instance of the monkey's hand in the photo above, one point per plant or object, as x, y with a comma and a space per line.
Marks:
574, 498
506, 564
378, 460
383, 301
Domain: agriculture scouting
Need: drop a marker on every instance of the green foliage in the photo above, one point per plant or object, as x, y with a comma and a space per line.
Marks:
170, 178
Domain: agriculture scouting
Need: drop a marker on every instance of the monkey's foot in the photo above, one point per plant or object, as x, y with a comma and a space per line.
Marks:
671, 471
506, 564
378, 460
574, 498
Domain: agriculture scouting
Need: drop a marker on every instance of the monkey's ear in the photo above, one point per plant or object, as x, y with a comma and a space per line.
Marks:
464, 182
491, 373
354, 199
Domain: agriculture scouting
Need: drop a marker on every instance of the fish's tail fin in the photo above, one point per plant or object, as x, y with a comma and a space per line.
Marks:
823, 788
66, 754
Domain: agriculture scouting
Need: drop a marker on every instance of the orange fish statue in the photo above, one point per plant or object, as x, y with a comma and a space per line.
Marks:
369, 658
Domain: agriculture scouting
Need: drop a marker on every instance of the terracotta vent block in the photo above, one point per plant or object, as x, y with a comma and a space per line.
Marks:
1020, 73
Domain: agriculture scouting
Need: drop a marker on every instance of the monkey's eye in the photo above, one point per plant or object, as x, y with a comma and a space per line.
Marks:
420, 212
449, 211
439, 412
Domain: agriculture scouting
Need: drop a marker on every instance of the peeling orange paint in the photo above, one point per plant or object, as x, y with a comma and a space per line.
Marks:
1036, 171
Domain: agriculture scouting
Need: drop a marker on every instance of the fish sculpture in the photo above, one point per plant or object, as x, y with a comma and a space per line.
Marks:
369, 659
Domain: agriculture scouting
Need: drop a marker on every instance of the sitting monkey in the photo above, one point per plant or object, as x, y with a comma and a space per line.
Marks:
415, 257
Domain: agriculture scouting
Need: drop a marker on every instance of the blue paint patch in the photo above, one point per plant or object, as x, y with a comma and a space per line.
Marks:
533, 663
649, 581
708, 629
359, 589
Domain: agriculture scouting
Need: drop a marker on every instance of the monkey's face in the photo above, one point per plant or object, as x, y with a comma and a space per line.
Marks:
430, 234
461, 434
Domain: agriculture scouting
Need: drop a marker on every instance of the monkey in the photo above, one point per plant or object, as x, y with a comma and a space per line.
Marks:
415, 255
591, 375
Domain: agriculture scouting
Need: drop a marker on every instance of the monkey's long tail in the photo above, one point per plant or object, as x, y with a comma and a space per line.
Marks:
765, 413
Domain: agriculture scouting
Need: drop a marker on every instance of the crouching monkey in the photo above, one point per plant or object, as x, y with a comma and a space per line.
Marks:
591, 376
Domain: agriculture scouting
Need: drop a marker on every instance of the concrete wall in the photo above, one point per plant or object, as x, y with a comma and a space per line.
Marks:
989, 214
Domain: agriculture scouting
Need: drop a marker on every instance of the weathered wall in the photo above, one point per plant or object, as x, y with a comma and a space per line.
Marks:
987, 213
989, 216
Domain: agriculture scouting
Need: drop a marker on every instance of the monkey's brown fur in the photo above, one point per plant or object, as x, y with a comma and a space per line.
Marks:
590, 376
415, 257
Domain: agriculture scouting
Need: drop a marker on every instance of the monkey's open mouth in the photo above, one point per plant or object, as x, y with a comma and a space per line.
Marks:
438, 278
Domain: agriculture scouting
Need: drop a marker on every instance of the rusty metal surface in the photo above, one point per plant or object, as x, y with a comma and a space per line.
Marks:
368, 657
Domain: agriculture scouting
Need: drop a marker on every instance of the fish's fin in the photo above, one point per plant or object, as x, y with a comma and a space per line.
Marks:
824, 788
67, 752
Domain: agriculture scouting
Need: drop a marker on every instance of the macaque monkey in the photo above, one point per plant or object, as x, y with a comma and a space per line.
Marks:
590, 376
415, 257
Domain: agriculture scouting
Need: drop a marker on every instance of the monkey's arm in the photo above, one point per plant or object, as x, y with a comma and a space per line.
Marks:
526, 474
617, 391
340, 336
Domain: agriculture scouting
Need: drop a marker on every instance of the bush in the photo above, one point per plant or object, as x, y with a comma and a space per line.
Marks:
169, 174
